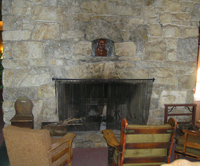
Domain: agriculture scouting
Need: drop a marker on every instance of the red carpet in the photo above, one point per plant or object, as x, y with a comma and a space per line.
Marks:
90, 157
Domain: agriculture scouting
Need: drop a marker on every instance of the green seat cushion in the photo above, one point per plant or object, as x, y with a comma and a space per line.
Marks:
138, 164
190, 138
147, 138
145, 152
142, 138
189, 150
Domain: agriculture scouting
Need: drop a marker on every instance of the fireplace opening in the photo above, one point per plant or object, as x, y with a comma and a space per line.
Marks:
95, 104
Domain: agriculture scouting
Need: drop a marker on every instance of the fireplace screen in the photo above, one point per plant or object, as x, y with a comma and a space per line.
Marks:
101, 104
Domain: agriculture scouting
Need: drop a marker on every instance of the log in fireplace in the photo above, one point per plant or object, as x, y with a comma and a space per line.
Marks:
102, 103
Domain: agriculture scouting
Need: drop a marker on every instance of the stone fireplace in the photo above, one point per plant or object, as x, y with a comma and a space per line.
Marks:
102, 103
45, 39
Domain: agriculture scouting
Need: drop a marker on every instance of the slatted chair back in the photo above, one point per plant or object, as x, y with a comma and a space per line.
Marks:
144, 144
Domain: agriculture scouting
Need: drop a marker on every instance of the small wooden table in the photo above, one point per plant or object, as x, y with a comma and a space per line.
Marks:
192, 112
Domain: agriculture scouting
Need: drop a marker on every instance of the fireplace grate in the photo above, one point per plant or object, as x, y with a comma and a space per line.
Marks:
102, 103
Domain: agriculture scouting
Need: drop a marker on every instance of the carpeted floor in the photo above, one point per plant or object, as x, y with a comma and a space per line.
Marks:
90, 157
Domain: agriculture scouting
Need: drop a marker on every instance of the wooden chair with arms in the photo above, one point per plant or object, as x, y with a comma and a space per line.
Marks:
141, 144
188, 145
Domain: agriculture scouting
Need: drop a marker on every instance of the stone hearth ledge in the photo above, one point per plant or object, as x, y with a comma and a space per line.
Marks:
90, 139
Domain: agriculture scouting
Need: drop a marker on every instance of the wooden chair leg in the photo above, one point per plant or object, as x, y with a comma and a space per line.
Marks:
111, 151
63, 164
70, 163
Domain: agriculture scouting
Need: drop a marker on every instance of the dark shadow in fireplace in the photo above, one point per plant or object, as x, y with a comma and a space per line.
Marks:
98, 104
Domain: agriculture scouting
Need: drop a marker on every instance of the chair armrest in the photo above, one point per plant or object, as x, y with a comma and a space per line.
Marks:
62, 147
173, 123
192, 132
110, 137
66, 138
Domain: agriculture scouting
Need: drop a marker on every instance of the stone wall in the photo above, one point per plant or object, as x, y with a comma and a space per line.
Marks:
53, 38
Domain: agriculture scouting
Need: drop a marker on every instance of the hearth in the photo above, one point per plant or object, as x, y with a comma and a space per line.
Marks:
98, 104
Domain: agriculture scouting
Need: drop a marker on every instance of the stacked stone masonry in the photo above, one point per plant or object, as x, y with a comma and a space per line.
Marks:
53, 38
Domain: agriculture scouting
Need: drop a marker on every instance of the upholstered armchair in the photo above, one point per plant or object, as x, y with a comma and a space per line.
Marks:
141, 144
31, 147
188, 145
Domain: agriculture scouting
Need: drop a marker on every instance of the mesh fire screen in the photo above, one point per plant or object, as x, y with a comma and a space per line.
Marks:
101, 104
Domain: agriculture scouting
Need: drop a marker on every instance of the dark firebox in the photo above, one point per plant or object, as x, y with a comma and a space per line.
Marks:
98, 104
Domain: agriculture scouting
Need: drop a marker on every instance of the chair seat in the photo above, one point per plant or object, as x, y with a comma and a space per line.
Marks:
54, 139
